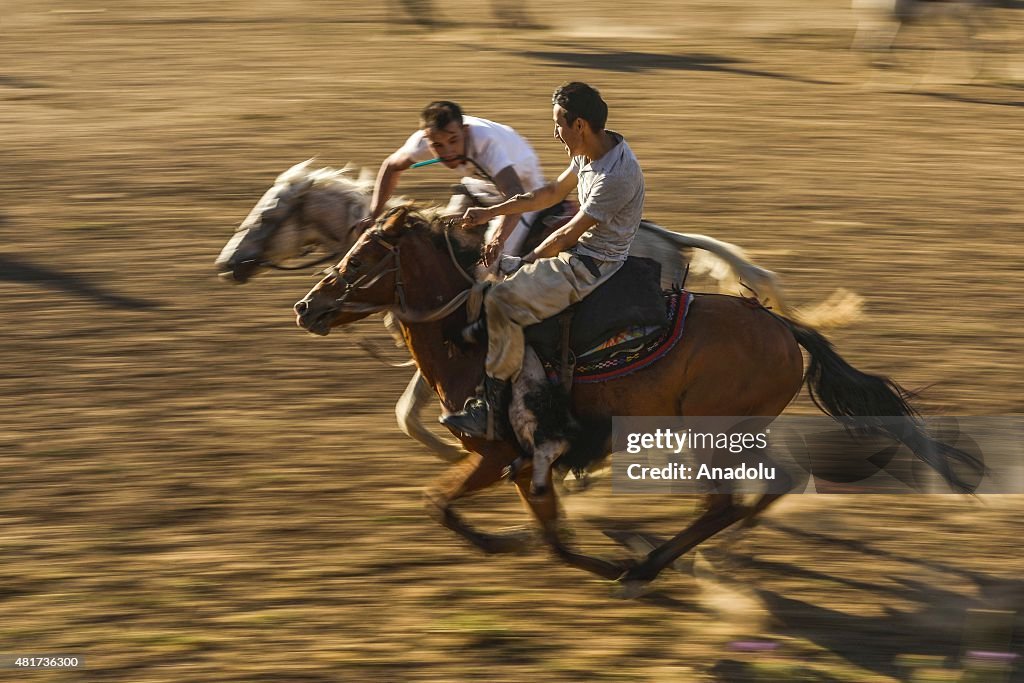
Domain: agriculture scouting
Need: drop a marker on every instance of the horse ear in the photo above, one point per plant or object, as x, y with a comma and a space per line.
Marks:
295, 171
395, 220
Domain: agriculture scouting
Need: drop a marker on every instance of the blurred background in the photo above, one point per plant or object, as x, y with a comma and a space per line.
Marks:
192, 489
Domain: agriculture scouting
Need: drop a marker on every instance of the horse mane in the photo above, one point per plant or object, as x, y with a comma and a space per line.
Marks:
467, 245
338, 179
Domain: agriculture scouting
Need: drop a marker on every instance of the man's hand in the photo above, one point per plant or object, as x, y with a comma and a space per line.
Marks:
363, 225
475, 215
510, 264
492, 250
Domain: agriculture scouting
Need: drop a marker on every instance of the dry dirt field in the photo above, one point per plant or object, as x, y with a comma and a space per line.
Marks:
193, 490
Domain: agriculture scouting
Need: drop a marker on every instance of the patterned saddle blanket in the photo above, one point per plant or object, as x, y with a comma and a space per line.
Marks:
631, 349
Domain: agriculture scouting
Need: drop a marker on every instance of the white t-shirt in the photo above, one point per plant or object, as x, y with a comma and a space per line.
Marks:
490, 148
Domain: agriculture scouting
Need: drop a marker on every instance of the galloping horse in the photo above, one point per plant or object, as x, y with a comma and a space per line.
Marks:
735, 359
879, 22
308, 212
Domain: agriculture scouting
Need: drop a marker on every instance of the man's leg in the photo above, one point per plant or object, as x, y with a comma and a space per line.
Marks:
505, 339
487, 416
536, 292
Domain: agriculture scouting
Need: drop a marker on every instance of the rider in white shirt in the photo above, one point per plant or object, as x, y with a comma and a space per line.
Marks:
495, 163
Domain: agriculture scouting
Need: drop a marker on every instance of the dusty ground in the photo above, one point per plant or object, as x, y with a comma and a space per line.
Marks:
193, 490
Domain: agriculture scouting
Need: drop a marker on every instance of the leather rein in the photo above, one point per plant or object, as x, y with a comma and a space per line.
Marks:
392, 263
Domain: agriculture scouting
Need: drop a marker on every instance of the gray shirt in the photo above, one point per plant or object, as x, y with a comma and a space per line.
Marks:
611, 191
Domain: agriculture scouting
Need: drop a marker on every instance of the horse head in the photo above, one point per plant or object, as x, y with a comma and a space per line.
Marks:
405, 262
363, 282
305, 210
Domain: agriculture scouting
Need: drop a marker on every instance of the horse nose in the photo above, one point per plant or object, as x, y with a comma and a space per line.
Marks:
235, 269
301, 307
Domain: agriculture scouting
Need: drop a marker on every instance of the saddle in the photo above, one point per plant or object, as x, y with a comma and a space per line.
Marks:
630, 298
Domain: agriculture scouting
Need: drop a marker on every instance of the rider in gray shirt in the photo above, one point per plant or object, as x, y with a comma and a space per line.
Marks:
611, 190
570, 263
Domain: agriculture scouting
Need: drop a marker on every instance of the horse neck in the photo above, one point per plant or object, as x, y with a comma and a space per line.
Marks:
337, 207
432, 279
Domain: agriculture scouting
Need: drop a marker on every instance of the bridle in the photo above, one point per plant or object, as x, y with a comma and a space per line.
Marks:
355, 280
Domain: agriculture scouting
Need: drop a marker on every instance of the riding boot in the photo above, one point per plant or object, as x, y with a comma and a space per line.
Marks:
484, 417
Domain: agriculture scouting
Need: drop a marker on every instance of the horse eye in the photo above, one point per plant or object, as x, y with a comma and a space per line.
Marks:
355, 263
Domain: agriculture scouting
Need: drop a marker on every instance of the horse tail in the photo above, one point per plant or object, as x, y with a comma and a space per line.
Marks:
730, 266
867, 403
724, 262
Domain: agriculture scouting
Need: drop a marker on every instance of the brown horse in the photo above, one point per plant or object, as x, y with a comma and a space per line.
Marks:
736, 359
308, 215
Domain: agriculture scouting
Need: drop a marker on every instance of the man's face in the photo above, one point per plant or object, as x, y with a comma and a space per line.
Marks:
448, 143
569, 135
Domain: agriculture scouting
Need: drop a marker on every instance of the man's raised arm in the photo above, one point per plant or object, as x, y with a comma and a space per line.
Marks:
387, 181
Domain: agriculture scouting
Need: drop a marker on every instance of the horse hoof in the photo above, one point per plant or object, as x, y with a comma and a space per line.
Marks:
515, 541
504, 547
511, 473
450, 454
749, 522
635, 571
633, 589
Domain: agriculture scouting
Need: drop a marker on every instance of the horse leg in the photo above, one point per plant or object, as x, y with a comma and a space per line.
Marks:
722, 512
754, 511
974, 22
546, 510
751, 517
408, 410
876, 30
420, 12
473, 474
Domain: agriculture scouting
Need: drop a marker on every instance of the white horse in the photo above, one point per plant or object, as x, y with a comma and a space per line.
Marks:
309, 215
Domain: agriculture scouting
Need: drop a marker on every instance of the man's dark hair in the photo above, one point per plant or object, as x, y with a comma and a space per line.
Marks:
439, 114
580, 101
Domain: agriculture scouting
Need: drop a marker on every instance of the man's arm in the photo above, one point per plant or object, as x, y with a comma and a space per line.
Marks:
542, 198
387, 181
562, 239
606, 197
509, 184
